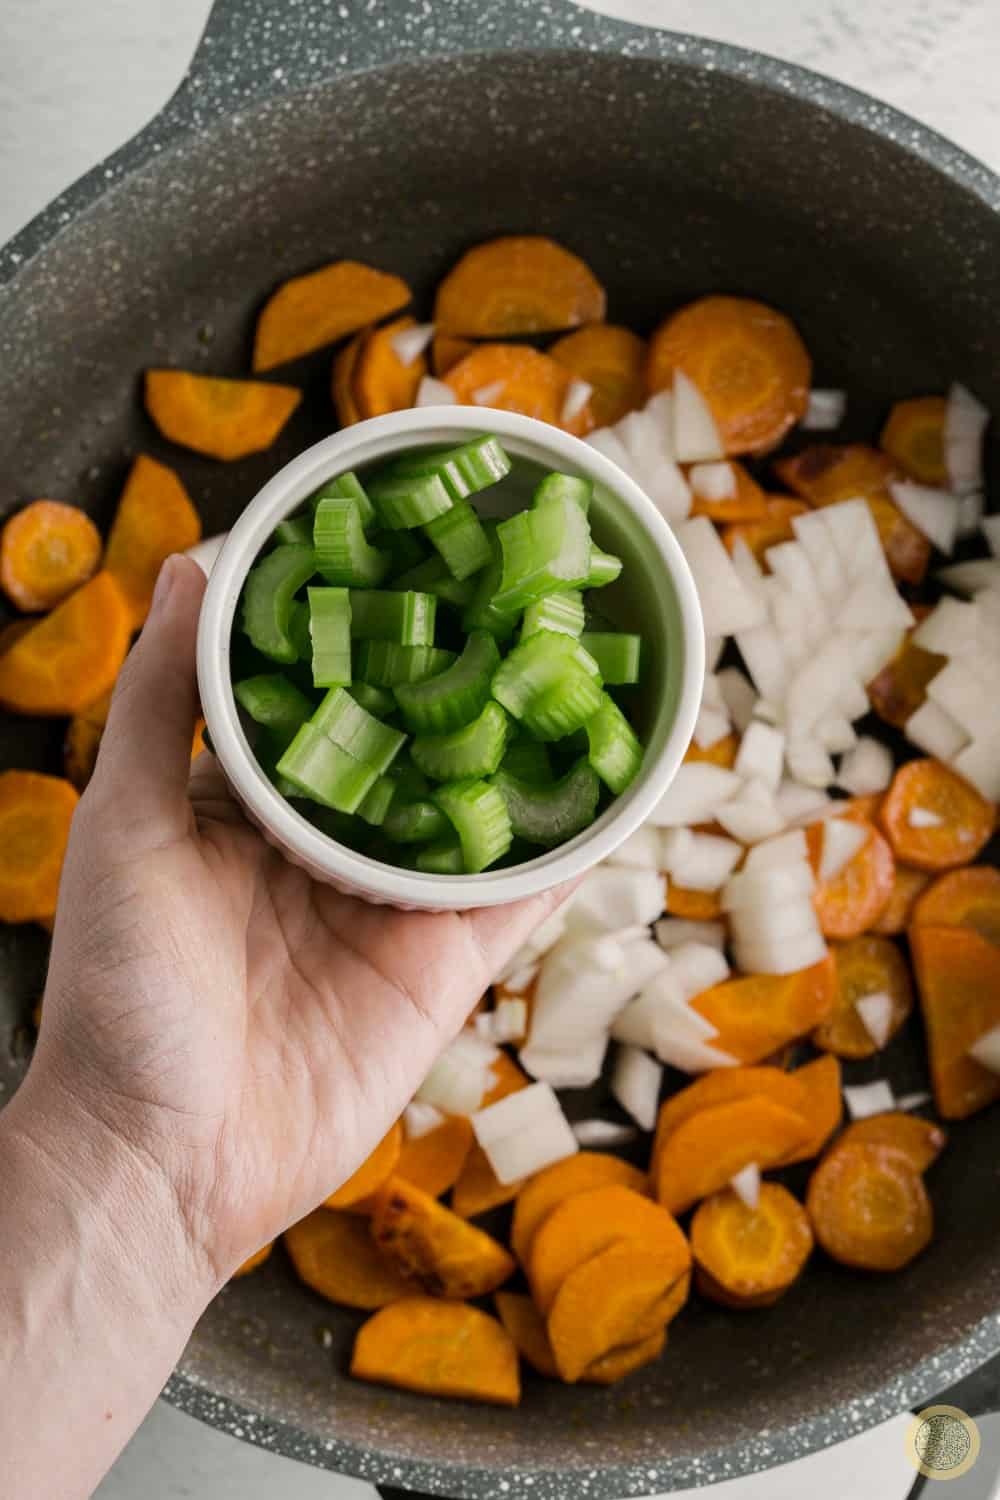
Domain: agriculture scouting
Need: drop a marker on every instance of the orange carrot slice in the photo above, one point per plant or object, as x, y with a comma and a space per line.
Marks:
907, 550
13, 631
335, 1255
478, 1188
901, 686
723, 753
513, 377
920, 1140
448, 1256
440, 1349
869, 1207
824, 1106
962, 898
705, 1152
723, 1087
865, 966
526, 1326
446, 350
914, 437
70, 657
342, 381
46, 551
518, 284
257, 1259
619, 1296
908, 885
747, 360
758, 1013
372, 1173
618, 1363
434, 1161
548, 1188
309, 311
966, 818
852, 900
612, 360
221, 418
958, 979
775, 526
693, 906
749, 1257
748, 504
35, 814
155, 517
382, 383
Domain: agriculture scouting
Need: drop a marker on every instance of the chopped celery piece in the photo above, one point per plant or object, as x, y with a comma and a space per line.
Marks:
295, 530
604, 568
414, 822
562, 613
566, 486
274, 702
463, 471
376, 700
393, 615
477, 811
347, 487
461, 539
411, 785
405, 550
269, 746
326, 772
432, 577
377, 802
299, 630
453, 697
615, 752
386, 664
343, 555
617, 655
549, 815
482, 613
528, 760
545, 549
565, 707
550, 683
330, 632
268, 593
474, 750
342, 719
441, 858
404, 502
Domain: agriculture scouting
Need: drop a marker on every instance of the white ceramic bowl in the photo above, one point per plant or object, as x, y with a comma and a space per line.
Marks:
655, 595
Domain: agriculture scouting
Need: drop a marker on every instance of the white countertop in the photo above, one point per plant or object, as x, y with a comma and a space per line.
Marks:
77, 79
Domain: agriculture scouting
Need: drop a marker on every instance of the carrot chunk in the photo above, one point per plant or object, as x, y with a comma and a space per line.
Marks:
46, 551
963, 898
692, 906
526, 1326
550, 1187
619, 1296
257, 1259
155, 517
612, 360
966, 818
372, 1173
869, 1207
907, 550
70, 657
316, 309
586, 1223
914, 437
439, 1349
13, 631
425, 1240
824, 1107
334, 1254
901, 686
758, 1013
478, 1189
852, 900
618, 1363
514, 377
723, 1087
774, 526
342, 381
35, 814
518, 284
865, 966
382, 383
706, 1151
747, 360
958, 979
221, 418
749, 1257
748, 504
447, 350
434, 1161
723, 753
920, 1140
907, 887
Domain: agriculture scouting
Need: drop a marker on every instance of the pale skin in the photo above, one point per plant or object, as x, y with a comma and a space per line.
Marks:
224, 1041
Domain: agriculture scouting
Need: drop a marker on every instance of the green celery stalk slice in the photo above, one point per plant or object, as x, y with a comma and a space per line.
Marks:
549, 815
432, 577
473, 751
482, 612
615, 751
326, 772
565, 707
377, 802
375, 700
414, 822
386, 664
366, 739
274, 702
527, 760
461, 539
542, 661
268, 594
294, 530
404, 502
568, 487
562, 613
347, 487
545, 549
330, 634
618, 654
400, 615
441, 858
343, 554
464, 471
604, 569
453, 697
478, 813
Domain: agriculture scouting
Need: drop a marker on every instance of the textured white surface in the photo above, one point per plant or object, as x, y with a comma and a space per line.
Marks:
76, 80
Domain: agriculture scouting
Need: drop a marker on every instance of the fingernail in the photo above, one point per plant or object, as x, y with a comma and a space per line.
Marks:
164, 583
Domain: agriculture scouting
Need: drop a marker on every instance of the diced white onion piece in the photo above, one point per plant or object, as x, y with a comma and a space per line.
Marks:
970, 513
871, 651
950, 629
922, 817
603, 1133
842, 840
789, 562
748, 568
800, 804
985, 1050
419, 1119
872, 603
578, 393
971, 577
866, 769
409, 343
757, 888
710, 863
727, 606
606, 441
640, 851
767, 713
696, 437
635, 1083
711, 726
565, 1068
672, 932
854, 534
958, 690
813, 535
979, 763
661, 408
935, 732
695, 795
579, 994
818, 686
676, 845
876, 1016
524, 1132
836, 734
825, 410
790, 849
455, 1086
694, 1057
610, 898
965, 422
507, 1023
431, 392
913, 1101
933, 512
696, 967
810, 763
738, 695
513, 1112
660, 1010
647, 439
990, 527
763, 653
761, 755
205, 552
753, 816
784, 956
867, 1099
485, 395
746, 1186
716, 481
711, 693
792, 919
522, 979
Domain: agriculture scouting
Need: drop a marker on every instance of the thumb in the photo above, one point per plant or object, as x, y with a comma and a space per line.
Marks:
145, 757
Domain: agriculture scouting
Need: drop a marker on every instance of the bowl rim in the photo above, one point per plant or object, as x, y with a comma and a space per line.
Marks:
355, 446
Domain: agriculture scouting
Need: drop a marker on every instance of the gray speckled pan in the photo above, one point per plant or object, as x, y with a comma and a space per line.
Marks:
400, 131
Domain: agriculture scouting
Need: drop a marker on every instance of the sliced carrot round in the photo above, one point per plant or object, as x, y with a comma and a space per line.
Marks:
820, 1082
221, 418
749, 503
752, 1254
342, 380
865, 966
826, 472
382, 382
514, 377
35, 814
439, 1348
72, 656
518, 284
914, 437
612, 360
619, 1296
852, 900
755, 1014
707, 1150
576, 1174
901, 686
13, 631
747, 360
526, 1326
962, 898
372, 1173
478, 1188
869, 1207
721, 1087
434, 1161
907, 887
618, 1363
257, 1259
965, 817
425, 1240
958, 978
920, 1140
693, 906
316, 309
907, 550
154, 518
447, 350
774, 527
46, 551
335, 1255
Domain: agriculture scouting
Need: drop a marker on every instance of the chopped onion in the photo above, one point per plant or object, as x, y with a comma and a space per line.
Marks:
455, 1084
715, 481
913, 1101
565, 1068
784, 956
410, 343
607, 441
824, 411
836, 734
671, 932
485, 395
813, 535
205, 552
818, 687
876, 1016
867, 1099
854, 534
640, 851
757, 888
696, 437
802, 804
579, 993
776, 854
710, 727
764, 656
645, 438
603, 1133
659, 1011
965, 422
842, 840
693, 1057
676, 845
922, 817
958, 690
727, 606
635, 1083
431, 392
971, 577
695, 795
933, 512
610, 898
738, 696
709, 864
578, 393
507, 1023
873, 603
950, 629
521, 979
935, 732
524, 1132
989, 526
714, 647
696, 967
970, 513
810, 763
761, 755
866, 769
419, 1119
979, 763
752, 816
746, 1185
